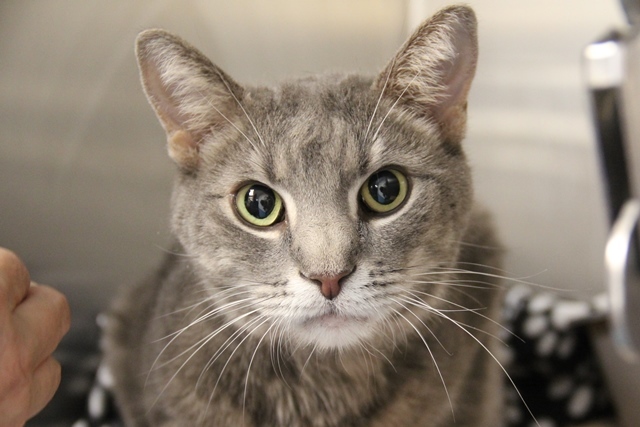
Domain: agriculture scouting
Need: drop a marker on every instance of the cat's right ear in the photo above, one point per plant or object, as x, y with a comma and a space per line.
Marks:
430, 76
192, 98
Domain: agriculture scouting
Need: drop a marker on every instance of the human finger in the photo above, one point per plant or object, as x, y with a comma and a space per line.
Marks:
41, 320
46, 380
14, 279
28, 395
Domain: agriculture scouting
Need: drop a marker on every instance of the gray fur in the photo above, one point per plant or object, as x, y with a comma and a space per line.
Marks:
230, 331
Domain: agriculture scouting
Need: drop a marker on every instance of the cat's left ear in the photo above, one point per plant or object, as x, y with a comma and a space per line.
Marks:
431, 75
192, 97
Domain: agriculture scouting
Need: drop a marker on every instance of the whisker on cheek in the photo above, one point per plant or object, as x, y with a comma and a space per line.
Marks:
433, 359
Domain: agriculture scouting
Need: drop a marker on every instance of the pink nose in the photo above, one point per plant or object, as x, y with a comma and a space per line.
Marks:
330, 286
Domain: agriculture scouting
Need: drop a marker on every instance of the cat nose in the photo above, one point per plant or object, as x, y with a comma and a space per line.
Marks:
330, 285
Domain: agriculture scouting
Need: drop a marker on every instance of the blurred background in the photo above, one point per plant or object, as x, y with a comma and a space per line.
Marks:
84, 176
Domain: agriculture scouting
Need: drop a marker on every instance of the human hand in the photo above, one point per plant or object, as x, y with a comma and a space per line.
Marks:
33, 320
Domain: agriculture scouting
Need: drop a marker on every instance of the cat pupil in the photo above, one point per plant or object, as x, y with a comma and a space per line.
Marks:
384, 187
260, 201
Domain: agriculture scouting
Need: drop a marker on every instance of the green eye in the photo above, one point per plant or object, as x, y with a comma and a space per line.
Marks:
384, 191
259, 205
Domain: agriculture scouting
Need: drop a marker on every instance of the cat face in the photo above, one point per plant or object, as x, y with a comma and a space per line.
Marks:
313, 209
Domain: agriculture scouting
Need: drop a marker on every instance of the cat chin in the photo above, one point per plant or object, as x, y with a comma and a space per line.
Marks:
332, 332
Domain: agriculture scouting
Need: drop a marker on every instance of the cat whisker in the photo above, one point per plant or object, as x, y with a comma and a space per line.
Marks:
434, 270
453, 286
457, 282
504, 370
198, 346
436, 311
465, 328
202, 343
462, 284
387, 328
233, 95
339, 356
424, 341
475, 245
429, 309
375, 352
306, 362
201, 315
246, 380
217, 297
262, 320
375, 135
155, 366
364, 352
276, 351
172, 252
221, 349
520, 280
217, 110
226, 344
188, 309
204, 317
375, 110
396, 320
476, 312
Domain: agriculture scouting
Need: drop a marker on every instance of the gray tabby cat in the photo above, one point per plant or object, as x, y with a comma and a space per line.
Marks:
330, 266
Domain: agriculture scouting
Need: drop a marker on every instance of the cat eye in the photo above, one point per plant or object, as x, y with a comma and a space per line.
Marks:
384, 191
259, 205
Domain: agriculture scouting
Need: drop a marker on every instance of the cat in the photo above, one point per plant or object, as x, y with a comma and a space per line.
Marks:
330, 265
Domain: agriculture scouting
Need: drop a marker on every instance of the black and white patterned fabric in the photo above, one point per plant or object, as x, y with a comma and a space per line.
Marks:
101, 408
548, 356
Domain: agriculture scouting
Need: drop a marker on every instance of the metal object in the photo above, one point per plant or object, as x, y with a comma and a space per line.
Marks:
623, 280
612, 71
632, 10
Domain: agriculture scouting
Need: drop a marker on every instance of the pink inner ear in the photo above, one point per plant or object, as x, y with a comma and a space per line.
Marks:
161, 98
458, 73
182, 144
432, 73
191, 97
